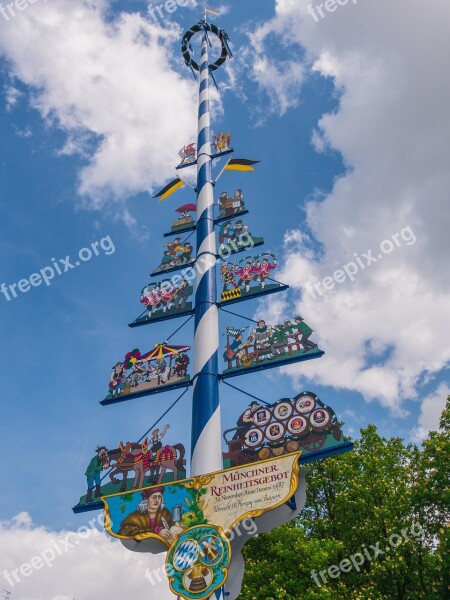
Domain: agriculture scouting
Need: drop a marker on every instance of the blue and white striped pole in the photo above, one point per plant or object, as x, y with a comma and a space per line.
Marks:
206, 423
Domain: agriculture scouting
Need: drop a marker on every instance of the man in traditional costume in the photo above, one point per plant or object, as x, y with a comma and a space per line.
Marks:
263, 269
246, 421
95, 467
228, 276
278, 341
238, 201
305, 331
246, 275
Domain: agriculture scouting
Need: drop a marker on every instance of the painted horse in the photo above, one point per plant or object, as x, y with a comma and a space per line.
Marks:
137, 458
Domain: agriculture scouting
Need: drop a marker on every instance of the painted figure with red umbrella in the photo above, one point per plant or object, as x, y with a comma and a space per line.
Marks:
185, 218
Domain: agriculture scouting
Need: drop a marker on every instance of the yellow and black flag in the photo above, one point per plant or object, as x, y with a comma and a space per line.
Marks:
241, 164
170, 188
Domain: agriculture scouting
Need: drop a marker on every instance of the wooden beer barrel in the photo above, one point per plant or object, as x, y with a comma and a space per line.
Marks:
264, 453
278, 449
292, 446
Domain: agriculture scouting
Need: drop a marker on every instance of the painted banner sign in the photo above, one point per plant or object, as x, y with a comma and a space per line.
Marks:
222, 499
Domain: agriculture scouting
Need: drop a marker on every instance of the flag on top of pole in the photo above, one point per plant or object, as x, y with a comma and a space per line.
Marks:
170, 188
240, 164
212, 12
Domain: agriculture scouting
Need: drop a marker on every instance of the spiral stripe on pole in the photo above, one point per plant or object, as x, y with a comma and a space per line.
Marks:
206, 422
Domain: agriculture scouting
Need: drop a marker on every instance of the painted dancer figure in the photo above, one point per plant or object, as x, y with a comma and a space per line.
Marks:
167, 297
262, 270
152, 300
228, 276
246, 275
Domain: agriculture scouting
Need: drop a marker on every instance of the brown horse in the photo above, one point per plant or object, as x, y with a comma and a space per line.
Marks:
130, 458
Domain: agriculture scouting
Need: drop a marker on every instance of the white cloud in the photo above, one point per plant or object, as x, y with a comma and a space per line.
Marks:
280, 81
430, 412
23, 519
95, 567
390, 327
12, 96
110, 85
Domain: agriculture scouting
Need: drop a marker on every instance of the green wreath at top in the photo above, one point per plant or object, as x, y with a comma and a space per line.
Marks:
186, 47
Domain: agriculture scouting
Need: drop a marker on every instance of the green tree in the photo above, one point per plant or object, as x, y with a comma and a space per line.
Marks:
384, 496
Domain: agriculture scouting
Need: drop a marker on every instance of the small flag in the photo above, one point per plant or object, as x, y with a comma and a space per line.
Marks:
213, 12
241, 164
170, 188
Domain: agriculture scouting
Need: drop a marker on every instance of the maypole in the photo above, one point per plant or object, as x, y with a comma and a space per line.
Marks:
151, 503
206, 423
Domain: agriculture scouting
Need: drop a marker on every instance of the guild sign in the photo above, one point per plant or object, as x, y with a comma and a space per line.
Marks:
188, 155
251, 276
198, 563
267, 346
222, 143
185, 220
144, 374
164, 300
302, 423
150, 462
235, 236
231, 207
177, 254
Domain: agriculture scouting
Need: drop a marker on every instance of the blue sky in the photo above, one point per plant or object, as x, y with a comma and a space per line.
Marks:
60, 342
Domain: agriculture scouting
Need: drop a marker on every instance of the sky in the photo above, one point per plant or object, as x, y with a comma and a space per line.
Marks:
349, 115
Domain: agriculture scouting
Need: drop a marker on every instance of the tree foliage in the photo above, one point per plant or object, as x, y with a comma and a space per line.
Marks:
382, 495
